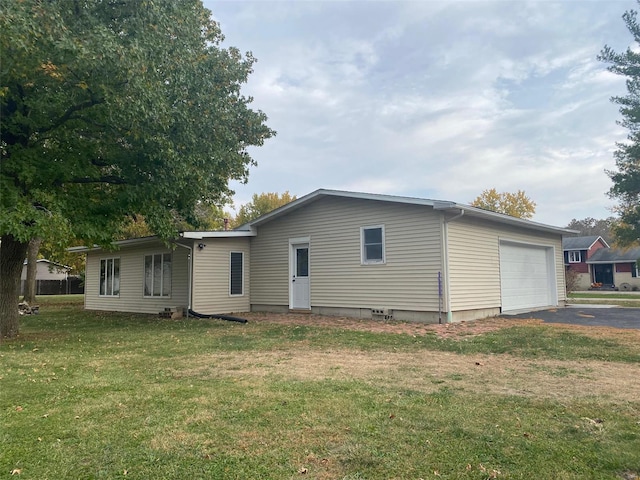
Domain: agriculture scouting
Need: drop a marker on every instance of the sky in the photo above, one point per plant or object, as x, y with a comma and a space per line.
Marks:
435, 99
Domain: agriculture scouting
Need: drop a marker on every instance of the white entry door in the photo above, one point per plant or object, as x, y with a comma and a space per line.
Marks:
299, 283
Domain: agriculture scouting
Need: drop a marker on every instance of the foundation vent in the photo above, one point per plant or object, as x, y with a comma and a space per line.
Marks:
381, 313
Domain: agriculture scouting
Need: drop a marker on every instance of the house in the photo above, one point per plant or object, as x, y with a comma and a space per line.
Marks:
51, 278
342, 253
597, 263
577, 251
616, 267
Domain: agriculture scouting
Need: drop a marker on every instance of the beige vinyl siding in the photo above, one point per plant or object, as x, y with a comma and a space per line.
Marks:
131, 298
211, 276
625, 277
408, 280
474, 260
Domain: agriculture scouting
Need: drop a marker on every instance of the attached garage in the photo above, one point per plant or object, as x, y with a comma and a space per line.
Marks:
349, 254
527, 276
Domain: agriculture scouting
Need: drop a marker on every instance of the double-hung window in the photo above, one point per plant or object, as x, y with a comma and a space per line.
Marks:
574, 256
372, 244
157, 275
109, 277
635, 270
236, 273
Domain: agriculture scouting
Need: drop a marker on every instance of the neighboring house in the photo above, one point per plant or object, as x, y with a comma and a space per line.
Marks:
51, 278
577, 251
597, 263
342, 253
616, 267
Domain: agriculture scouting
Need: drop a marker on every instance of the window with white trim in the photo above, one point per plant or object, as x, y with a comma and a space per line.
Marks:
635, 270
575, 256
372, 244
109, 277
236, 273
157, 275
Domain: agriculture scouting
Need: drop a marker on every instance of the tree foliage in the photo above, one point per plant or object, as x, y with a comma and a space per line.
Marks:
513, 204
626, 177
261, 204
591, 226
114, 109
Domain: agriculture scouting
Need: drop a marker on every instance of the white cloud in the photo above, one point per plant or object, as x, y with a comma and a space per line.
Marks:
435, 99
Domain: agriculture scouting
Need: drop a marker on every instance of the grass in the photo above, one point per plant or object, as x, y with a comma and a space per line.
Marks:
105, 395
630, 299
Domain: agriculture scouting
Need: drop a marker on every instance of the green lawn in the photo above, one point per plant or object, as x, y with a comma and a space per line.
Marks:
98, 395
631, 299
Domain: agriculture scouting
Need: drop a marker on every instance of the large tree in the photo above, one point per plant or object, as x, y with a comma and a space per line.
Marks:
626, 178
514, 204
111, 109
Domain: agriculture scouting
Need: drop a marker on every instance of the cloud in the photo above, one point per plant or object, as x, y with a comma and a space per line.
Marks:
435, 99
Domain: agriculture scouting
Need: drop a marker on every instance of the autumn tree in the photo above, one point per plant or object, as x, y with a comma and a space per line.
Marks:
111, 109
261, 204
514, 204
626, 177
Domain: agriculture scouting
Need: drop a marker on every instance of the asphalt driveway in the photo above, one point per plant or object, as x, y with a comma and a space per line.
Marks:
588, 315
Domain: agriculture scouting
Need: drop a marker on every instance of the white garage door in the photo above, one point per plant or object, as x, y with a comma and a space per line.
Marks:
527, 278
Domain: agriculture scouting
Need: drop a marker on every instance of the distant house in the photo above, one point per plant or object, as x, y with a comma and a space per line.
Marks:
51, 279
599, 264
577, 251
342, 253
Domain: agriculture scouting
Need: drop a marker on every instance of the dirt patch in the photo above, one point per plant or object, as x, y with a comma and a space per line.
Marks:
429, 371
447, 330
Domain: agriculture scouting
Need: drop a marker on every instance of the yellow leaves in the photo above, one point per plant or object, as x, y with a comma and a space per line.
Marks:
51, 70
83, 85
513, 204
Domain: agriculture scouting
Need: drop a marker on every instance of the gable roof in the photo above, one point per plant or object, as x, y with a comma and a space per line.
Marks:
452, 207
582, 243
614, 255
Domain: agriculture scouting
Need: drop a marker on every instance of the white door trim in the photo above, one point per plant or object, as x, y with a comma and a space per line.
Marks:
300, 293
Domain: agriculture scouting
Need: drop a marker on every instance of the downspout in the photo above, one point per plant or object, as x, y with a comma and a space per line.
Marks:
189, 269
445, 250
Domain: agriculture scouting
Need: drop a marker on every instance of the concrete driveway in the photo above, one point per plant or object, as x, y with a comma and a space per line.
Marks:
588, 315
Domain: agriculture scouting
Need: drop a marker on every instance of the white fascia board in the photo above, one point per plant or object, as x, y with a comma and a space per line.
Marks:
82, 249
501, 218
607, 262
218, 234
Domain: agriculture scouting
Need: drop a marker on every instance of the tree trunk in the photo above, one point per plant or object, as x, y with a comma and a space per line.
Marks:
32, 270
12, 254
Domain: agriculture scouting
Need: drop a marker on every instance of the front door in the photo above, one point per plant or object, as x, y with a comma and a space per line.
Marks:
603, 273
299, 286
